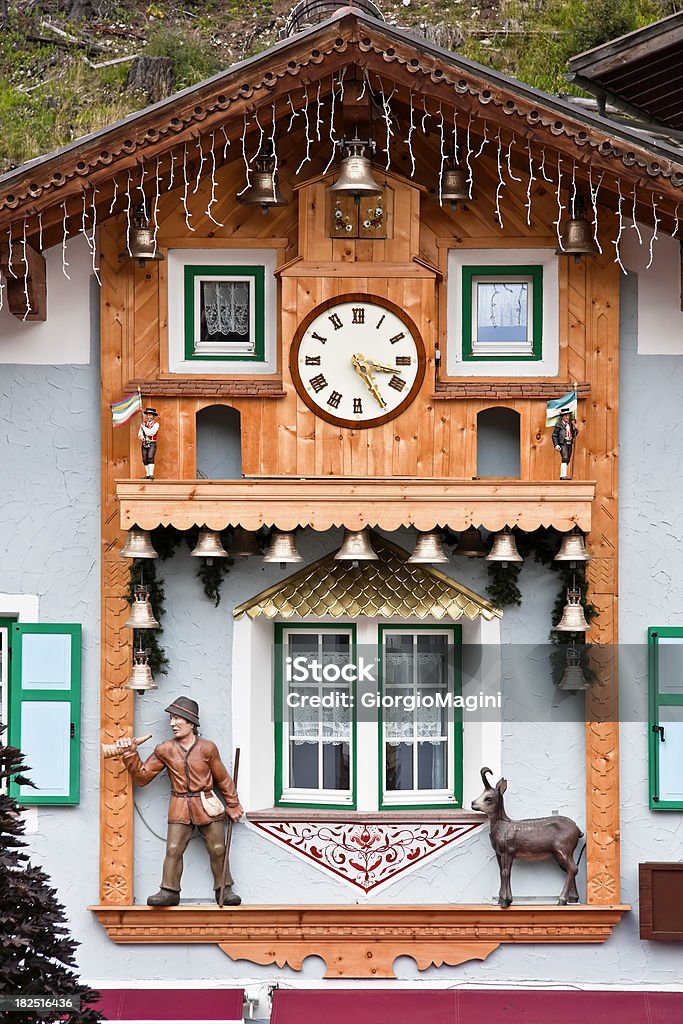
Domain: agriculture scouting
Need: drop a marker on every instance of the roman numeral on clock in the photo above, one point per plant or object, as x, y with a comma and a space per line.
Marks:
318, 382
334, 399
357, 405
380, 321
397, 383
358, 314
397, 337
318, 338
404, 360
335, 320
315, 360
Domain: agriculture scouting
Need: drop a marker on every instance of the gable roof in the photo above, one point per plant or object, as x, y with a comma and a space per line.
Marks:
641, 71
348, 37
389, 587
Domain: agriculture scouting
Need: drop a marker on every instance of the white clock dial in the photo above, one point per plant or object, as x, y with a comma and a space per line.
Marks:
357, 361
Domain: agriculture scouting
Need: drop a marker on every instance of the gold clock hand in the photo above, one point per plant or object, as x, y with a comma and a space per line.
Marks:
382, 367
360, 365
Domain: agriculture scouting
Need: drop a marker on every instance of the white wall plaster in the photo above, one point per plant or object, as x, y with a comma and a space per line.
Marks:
65, 336
660, 319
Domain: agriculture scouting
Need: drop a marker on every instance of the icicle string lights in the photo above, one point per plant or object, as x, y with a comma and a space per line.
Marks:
512, 176
9, 254
186, 186
202, 160
333, 134
542, 168
247, 172
141, 189
212, 199
25, 261
501, 183
84, 215
307, 125
675, 230
93, 248
530, 183
261, 136
560, 207
318, 112
40, 230
468, 159
293, 115
386, 113
455, 135
425, 116
634, 222
442, 153
273, 149
155, 208
128, 208
594, 203
409, 137
226, 144
114, 197
484, 141
620, 217
171, 164
65, 233
655, 231
574, 192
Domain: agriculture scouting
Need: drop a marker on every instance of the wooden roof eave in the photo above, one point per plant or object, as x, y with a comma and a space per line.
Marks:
382, 49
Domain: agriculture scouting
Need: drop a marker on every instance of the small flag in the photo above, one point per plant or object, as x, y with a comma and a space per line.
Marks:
556, 406
122, 411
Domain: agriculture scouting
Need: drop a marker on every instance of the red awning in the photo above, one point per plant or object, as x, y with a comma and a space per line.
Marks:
389, 1006
171, 1004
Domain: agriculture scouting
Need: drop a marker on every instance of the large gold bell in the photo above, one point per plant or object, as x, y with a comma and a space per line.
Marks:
577, 237
355, 174
263, 190
244, 544
470, 544
573, 678
282, 549
356, 547
209, 545
573, 619
504, 548
141, 242
454, 184
141, 614
138, 545
141, 678
572, 548
428, 549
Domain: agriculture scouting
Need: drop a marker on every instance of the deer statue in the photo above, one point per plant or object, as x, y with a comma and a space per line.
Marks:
529, 839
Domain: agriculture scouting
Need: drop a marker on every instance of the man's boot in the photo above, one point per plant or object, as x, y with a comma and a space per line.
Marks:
164, 898
230, 898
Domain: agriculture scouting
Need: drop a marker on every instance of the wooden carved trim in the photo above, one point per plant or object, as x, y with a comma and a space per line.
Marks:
200, 387
508, 389
359, 941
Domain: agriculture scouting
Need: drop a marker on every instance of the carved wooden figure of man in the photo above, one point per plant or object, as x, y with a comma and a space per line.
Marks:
194, 767
148, 434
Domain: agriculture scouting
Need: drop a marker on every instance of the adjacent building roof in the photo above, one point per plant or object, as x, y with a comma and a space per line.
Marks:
641, 72
389, 587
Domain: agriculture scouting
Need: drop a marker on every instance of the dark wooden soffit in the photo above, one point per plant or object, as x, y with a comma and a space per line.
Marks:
347, 38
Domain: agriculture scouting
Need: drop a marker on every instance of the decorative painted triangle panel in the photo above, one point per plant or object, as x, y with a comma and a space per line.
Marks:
367, 854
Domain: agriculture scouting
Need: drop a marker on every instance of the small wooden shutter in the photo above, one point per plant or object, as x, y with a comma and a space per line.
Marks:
45, 710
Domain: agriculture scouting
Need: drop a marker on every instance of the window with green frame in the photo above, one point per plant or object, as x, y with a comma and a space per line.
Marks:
413, 749
42, 691
665, 670
502, 313
224, 310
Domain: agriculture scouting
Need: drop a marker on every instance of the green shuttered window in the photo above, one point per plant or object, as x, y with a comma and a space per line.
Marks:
45, 692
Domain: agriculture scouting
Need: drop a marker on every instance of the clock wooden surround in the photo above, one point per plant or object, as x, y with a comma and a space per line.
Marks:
357, 360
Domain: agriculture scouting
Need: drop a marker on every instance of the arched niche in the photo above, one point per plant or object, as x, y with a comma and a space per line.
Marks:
498, 442
219, 443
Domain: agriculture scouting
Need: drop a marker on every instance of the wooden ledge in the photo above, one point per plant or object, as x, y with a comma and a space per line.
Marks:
355, 502
359, 941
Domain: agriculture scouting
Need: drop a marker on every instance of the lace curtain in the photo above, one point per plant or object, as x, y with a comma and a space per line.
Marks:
226, 307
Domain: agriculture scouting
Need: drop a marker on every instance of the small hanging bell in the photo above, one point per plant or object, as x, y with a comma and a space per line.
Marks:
282, 549
504, 548
244, 544
572, 548
138, 545
141, 614
142, 244
356, 547
141, 678
470, 544
428, 549
577, 237
355, 174
454, 184
573, 678
209, 545
573, 619
263, 190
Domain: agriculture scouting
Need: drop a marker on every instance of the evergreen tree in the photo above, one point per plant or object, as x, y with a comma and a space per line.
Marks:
36, 950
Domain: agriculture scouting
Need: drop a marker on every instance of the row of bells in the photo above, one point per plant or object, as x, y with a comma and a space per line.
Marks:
356, 179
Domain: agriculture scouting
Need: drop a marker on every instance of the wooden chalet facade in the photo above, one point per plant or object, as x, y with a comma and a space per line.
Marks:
188, 160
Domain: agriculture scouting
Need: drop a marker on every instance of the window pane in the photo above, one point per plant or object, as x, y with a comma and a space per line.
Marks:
225, 310
46, 661
502, 311
336, 766
432, 659
399, 766
303, 761
398, 658
431, 721
670, 663
304, 720
431, 766
336, 720
45, 738
671, 754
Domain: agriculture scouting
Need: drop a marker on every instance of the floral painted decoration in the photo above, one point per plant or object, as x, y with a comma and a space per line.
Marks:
342, 221
374, 218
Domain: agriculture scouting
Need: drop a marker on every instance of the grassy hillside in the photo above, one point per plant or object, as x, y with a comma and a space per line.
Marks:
58, 79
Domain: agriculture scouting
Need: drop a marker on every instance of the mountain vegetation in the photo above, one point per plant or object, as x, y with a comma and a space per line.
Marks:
69, 67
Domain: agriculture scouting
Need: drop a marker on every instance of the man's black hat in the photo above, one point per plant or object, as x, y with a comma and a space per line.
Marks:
185, 707
150, 412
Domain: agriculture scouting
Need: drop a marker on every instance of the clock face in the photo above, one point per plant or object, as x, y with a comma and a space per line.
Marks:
357, 360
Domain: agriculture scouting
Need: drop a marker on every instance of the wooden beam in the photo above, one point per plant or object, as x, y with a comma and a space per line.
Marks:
25, 273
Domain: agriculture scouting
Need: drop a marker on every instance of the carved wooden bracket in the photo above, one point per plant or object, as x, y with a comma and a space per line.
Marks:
25, 273
359, 941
